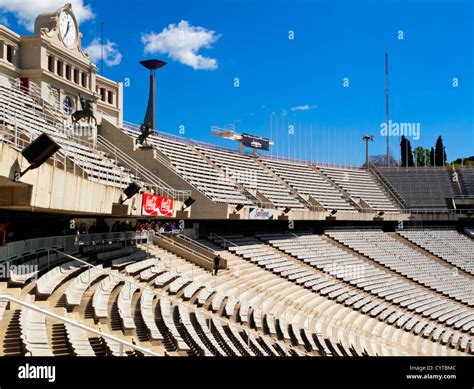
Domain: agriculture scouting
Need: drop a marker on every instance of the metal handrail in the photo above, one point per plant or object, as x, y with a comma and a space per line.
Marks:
161, 186
78, 325
181, 246
393, 192
214, 235
38, 245
192, 241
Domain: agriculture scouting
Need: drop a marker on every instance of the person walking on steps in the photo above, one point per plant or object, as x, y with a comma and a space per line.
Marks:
217, 262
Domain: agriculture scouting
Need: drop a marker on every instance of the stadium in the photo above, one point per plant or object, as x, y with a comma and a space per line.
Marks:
111, 230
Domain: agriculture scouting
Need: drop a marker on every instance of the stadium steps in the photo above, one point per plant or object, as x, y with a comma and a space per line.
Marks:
282, 182
58, 339
337, 188
458, 187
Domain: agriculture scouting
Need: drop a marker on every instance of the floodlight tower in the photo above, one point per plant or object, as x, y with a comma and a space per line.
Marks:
367, 139
152, 65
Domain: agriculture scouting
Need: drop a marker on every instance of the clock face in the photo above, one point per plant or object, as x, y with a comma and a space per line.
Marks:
67, 28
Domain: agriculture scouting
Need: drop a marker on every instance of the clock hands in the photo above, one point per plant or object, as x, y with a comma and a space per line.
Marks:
67, 29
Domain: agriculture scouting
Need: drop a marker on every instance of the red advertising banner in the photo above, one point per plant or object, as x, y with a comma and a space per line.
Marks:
153, 205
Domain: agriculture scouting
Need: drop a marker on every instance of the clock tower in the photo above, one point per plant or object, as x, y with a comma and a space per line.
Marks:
53, 62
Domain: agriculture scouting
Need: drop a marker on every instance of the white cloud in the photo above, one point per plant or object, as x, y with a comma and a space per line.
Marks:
112, 56
305, 107
26, 11
182, 43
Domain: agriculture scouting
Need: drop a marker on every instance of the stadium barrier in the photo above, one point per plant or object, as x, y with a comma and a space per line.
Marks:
69, 243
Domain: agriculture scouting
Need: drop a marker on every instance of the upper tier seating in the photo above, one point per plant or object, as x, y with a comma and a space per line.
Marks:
245, 170
467, 179
17, 107
307, 180
193, 168
360, 183
450, 245
421, 188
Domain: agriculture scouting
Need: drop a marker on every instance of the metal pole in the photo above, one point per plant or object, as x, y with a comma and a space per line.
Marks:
366, 153
386, 109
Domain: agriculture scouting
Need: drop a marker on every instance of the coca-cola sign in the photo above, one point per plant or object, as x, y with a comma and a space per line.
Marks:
153, 205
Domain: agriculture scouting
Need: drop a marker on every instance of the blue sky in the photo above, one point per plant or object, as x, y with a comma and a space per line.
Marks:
332, 40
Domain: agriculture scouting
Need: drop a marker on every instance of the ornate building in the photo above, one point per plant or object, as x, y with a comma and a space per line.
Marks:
52, 64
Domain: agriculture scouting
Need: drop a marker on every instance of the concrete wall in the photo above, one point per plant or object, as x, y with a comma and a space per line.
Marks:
204, 208
50, 188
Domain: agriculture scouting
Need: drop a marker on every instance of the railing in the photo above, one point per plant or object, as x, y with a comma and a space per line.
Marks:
160, 134
32, 128
224, 240
69, 243
16, 141
63, 319
194, 242
85, 168
391, 190
182, 247
157, 183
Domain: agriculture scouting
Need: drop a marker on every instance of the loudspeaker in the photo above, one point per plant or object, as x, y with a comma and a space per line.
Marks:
40, 150
188, 202
130, 190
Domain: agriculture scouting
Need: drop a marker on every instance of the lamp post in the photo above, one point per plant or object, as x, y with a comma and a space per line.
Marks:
152, 65
366, 139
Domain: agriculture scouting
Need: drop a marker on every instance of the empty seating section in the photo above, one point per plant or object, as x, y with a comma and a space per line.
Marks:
421, 188
18, 108
196, 170
174, 307
308, 181
393, 254
320, 253
246, 171
449, 245
361, 184
467, 179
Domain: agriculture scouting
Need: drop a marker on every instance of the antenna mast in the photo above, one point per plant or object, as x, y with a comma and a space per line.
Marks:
102, 47
386, 109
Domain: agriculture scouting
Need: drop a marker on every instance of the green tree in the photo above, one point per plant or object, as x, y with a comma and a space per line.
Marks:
406, 152
422, 156
440, 152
